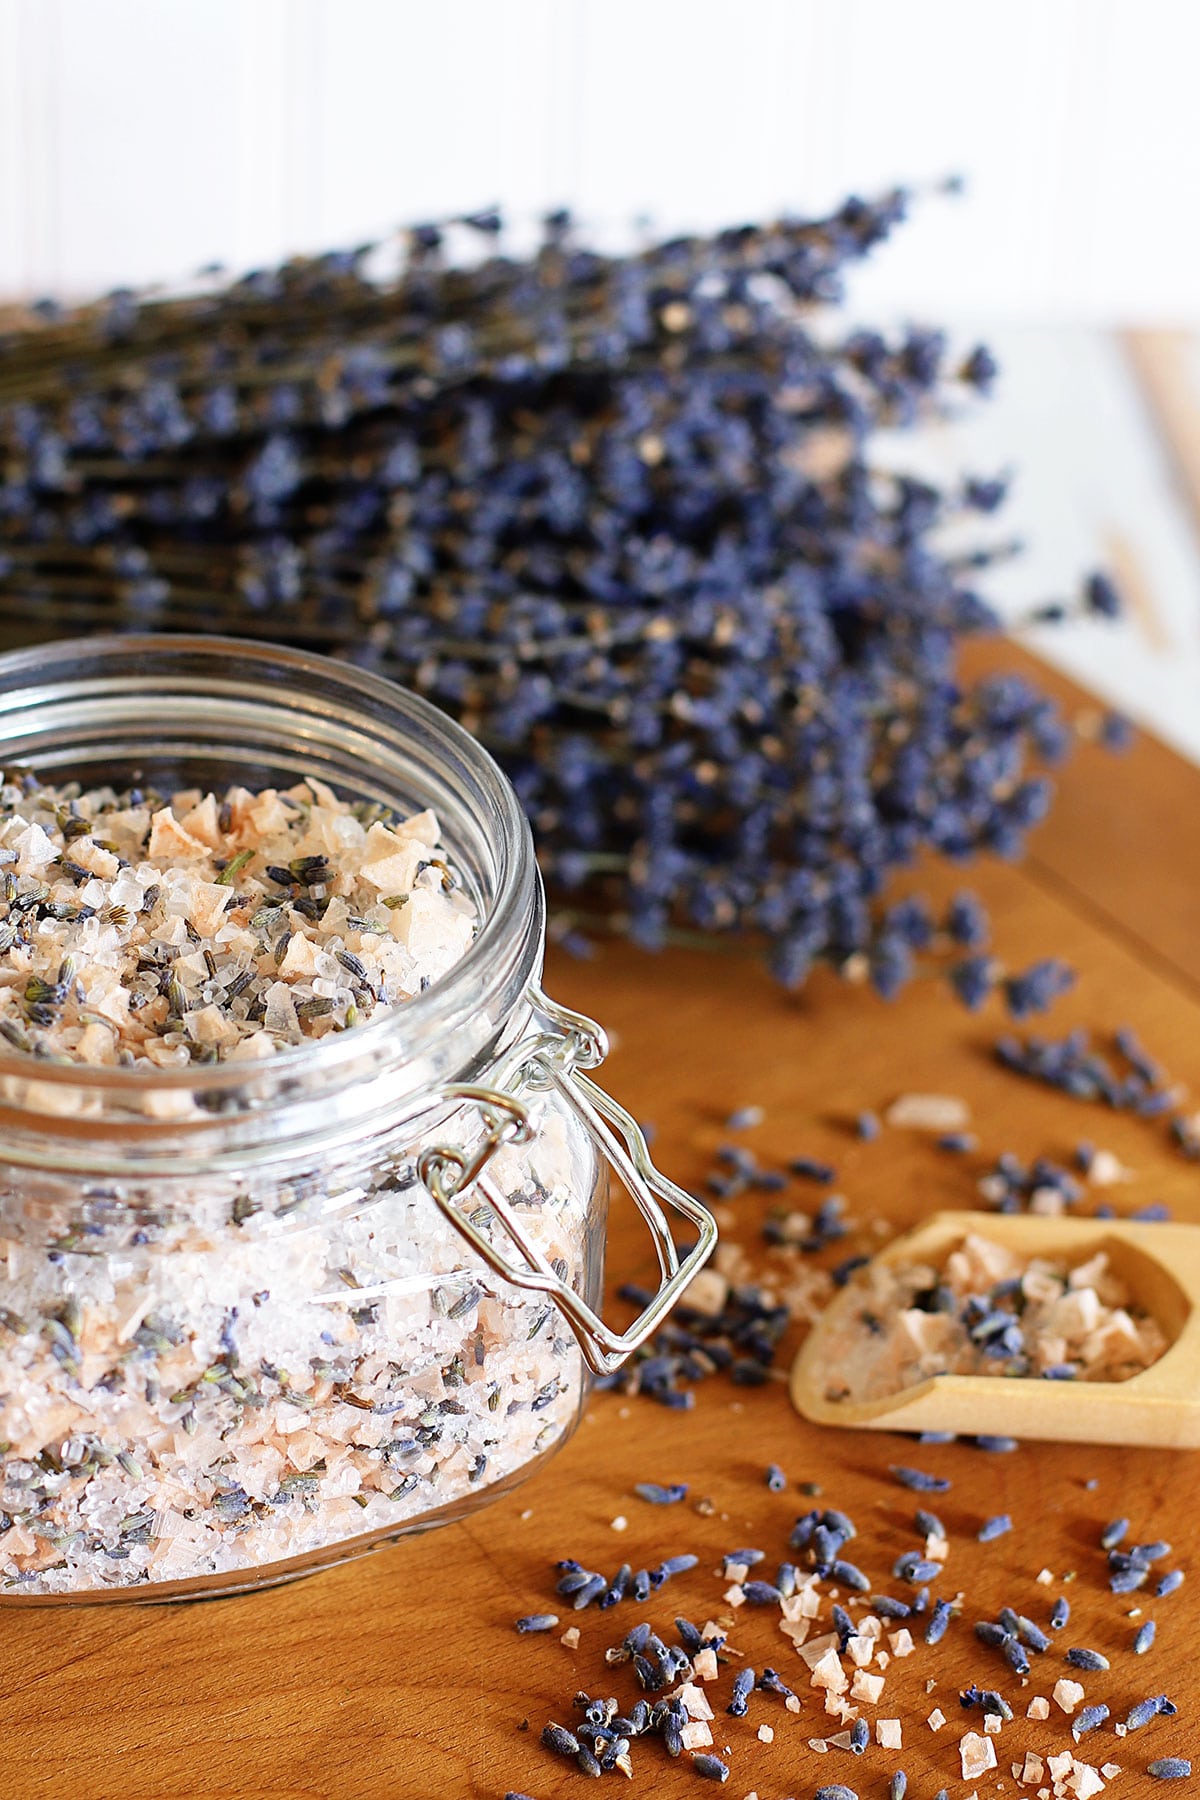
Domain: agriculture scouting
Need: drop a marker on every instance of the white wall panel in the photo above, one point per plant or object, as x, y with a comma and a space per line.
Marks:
139, 138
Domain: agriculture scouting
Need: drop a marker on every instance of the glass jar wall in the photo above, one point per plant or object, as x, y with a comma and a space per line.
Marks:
259, 1317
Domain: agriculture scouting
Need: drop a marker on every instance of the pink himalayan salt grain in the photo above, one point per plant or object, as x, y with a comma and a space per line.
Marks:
977, 1755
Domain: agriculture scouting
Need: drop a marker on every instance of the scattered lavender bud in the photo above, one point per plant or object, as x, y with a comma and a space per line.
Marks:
998, 1446
657, 1495
1082, 1658
898, 1785
776, 1479
1141, 1714
957, 1142
560, 1740
745, 1118
860, 1736
709, 1767
743, 1684
761, 1593
537, 1622
1087, 1719
835, 1790
809, 1169
928, 1523
1060, 1613
1170, 1581
994, 1527
867, 1126
850, 1575
1112, 1534
1144, 1638
919, 1480
939, 1619
1169, 1768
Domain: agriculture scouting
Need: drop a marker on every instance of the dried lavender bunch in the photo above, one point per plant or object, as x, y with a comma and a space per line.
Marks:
617, 514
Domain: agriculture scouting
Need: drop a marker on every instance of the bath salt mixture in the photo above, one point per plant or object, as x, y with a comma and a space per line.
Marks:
987, 1311
200, 1378
158, 931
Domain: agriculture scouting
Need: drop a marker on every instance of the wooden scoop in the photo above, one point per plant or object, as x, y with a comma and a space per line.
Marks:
1160, 1266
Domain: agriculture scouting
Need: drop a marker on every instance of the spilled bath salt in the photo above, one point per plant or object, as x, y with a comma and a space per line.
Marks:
154, 931
987, 1311
204, 1376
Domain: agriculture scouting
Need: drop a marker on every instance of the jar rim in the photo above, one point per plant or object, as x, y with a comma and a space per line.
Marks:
28, 676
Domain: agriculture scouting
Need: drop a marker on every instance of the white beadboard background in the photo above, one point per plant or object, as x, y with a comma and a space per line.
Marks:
140, 139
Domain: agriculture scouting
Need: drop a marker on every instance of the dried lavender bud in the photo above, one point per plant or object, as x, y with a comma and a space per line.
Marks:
919, 1480
572, 498
661, 1496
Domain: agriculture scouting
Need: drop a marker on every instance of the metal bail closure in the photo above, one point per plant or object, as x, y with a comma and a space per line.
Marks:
449, 1173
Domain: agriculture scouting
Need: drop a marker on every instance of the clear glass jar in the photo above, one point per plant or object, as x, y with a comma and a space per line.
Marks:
260, 1318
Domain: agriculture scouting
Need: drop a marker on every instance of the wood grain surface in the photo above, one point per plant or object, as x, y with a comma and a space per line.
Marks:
401, 1676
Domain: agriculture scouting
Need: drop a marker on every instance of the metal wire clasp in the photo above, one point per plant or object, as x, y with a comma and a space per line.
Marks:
448, 1174
447, 1171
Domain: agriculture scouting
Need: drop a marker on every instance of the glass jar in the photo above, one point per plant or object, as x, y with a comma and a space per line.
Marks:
256, 1318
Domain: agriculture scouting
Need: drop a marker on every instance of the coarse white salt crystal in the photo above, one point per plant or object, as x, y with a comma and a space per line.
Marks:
840, 1740
901, 1642
620, 1523
936, 1548
734, 1571
695, 1735
570, 1637
1105, 1169
929, 1112
827, 1672
1032, 1770
1060, 1766
733, 1595
866, 1687
704, 1665
888, 1733
792, 1703
992, 1723
695, 1701
1068, 1694
812, 1653
1120, 1729
937, 1719
819, 1745
1038, 1708
706, 1293
1044, 1578
977, 1755
766, 1734
870, 1627
1110, 1770
1084, 1780
883, 1658
860, 1650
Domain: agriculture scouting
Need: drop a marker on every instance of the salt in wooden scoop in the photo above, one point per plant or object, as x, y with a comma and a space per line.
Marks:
1160, 1405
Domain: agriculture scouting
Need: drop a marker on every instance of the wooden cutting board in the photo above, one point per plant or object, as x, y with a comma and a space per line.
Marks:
401, 1675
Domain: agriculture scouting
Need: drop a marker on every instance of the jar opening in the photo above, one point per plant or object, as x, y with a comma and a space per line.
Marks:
179, 712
